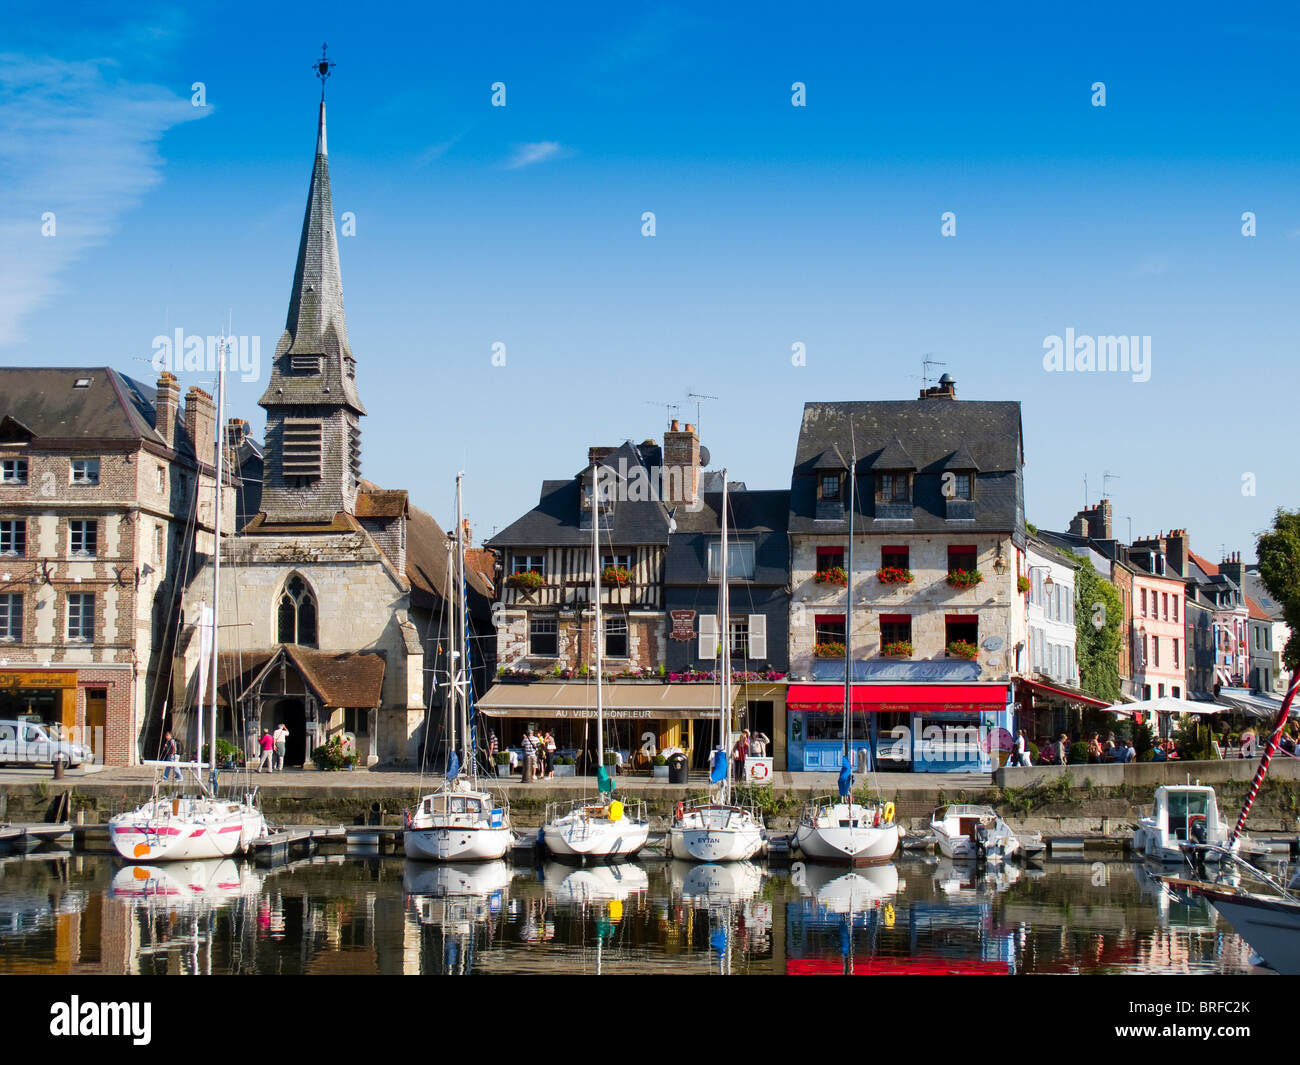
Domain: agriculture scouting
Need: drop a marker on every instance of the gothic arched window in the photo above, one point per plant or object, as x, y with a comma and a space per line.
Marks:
296, 615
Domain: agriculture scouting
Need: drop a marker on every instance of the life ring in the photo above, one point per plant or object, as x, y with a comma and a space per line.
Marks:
760, 771
888, 813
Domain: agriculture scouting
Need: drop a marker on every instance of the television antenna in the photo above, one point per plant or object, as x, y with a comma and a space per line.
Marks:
669, 408
697, 396
1106, 478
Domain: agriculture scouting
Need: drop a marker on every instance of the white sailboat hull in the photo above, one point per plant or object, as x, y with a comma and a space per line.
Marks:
197, 829
1270, 926
576, 836
716, 834
856, 845
457, 843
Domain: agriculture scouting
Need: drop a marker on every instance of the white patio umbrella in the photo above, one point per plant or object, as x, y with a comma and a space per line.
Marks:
1167, 704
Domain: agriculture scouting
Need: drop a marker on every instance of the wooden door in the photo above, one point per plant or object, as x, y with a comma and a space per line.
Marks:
96, 721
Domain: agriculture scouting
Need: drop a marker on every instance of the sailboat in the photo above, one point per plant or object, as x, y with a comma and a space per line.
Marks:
198, 825
459, 822
1270, 923
718, 830
839, 829
604, 827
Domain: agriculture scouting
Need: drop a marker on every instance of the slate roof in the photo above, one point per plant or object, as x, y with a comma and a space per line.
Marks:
555, 520
760, 516
315, 324
893, 456
45, 402
928, 432
1263, 599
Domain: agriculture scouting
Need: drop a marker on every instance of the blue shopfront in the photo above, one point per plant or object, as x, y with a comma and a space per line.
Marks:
928, 720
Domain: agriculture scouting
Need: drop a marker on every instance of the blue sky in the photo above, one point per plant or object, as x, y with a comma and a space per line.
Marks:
775, 225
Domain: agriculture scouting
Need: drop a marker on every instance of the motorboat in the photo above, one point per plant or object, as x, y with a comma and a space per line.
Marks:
1184, 820
457, 823
972, 833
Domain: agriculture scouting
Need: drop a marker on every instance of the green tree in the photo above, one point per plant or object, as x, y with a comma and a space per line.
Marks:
1098, 617
1278, 551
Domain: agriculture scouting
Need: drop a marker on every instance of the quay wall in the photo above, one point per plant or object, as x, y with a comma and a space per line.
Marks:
1093, 801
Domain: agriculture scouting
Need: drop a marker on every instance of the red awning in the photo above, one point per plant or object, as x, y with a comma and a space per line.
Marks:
1071, 694
980, 698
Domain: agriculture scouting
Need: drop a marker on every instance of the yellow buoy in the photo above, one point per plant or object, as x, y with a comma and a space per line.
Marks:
616, 910
615, 810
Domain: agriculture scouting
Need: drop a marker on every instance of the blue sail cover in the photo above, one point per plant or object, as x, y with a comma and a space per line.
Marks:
453, 766
719, 767
846, 776
604, 782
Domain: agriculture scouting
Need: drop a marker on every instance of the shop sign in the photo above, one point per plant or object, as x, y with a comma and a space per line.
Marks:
683, 625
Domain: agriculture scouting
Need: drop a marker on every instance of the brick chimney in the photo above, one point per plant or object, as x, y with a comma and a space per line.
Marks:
201, 424
1232, 568
945, 389
1098, 521
166, 406
1078, 526
237, 431
1179, 551
681, 474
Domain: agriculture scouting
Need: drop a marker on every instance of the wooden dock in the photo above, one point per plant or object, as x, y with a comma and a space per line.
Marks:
277, 846
27, 837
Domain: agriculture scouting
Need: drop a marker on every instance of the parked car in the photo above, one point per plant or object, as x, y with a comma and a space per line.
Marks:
29, 743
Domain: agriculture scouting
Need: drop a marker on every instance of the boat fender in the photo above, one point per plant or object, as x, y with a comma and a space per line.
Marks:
679, 810
889, 812
876, 822
406, 814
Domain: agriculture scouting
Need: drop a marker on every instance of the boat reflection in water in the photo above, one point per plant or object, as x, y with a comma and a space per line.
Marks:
567, 886
464, 903
195, 885
739, 919
835, 891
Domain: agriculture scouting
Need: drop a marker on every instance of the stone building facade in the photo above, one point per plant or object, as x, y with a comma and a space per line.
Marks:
99, 474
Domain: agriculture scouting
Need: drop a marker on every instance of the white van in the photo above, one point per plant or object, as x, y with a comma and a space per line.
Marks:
30, 743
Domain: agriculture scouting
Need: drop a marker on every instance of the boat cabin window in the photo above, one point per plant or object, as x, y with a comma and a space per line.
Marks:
1184, 805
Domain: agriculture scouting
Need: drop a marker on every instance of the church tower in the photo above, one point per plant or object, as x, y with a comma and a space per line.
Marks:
313, 411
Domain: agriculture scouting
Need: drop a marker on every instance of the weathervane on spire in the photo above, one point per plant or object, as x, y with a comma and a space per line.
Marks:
323, 66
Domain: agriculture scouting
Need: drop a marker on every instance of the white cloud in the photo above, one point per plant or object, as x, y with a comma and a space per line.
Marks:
539, 152
79, 141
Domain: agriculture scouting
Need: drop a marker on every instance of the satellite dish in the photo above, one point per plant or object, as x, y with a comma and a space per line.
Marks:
704, 455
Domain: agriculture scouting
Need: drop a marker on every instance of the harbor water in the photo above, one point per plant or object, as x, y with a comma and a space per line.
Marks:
90, 913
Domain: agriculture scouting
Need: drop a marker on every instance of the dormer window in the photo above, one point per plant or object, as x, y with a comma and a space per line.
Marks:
829, 486
893, 486
958, 485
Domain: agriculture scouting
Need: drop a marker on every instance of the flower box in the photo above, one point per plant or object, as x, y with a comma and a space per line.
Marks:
618, 575
894, 575
1022, 584
834, 575
529, 580
963, 649
897, 649
830, 649
964, 578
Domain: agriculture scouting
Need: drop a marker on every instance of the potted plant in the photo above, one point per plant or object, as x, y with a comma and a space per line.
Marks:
832, 575
964, 578
564, 765
829, 649
894, 575
618, 575
502, 759
611, 759
897, 649
963, 649
660, 767
334, 754
528, 580
1022, 585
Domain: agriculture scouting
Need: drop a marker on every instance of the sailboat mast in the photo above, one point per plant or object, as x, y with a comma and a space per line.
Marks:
452, 657
595, 623
216, 548
461, 629
724, 662
848, 627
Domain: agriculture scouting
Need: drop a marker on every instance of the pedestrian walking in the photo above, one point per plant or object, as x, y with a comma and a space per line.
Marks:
281, 737
268, 753
1022, 750
170, 753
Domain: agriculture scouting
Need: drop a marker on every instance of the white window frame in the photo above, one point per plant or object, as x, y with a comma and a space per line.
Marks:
11, 617
13, 471
524, 563
616, 625
84, 472
17, 525
737, 553
87, 524
83, 600
542, 619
